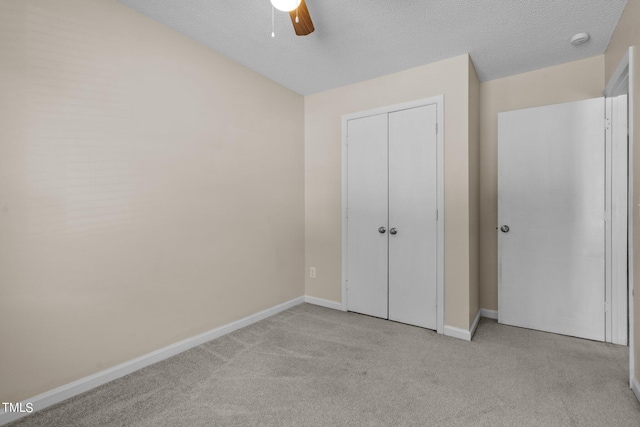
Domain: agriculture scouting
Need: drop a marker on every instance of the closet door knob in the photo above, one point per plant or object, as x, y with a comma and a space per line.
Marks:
382, 230
393, 231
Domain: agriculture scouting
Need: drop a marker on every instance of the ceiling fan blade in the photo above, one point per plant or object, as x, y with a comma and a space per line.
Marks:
304, 26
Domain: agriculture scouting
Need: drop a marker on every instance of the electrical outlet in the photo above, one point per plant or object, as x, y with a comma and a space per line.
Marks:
312, 272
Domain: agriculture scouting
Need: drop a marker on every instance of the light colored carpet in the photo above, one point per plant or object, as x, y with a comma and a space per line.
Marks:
311, 366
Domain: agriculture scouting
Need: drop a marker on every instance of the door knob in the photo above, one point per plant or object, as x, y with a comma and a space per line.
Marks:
393, 231
504, 228
382, 230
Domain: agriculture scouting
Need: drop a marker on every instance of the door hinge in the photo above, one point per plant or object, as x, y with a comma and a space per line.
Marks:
437, 214
436, 128
607, 307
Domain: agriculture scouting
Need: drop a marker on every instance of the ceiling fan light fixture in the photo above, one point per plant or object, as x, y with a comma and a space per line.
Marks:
286, 5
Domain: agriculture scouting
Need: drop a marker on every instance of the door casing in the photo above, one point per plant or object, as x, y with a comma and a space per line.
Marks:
622, 82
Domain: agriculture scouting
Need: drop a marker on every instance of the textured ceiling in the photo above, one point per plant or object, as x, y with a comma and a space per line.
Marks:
357, 40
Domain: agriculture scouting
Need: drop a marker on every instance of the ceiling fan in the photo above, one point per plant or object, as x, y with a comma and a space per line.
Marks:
299, 14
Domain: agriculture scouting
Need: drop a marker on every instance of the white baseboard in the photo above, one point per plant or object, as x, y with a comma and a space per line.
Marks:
474, 325
324, 303
489, 314
635, 386
453, 332
463, 334
75, 388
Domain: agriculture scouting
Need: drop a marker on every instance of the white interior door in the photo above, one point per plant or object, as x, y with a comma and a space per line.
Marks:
412, 216
551, 195
367, 190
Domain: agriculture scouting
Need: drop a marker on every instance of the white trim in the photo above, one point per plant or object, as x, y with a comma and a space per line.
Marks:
395, 107
489, 314
439, 101
635, 386
441, 213
619, 81
616, 195
82, 385
453, 332
324, 303
474, 325
463, 334
608, 173
617, 187
631, 100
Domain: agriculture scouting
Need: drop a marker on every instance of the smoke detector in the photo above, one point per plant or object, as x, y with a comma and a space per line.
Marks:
579, 38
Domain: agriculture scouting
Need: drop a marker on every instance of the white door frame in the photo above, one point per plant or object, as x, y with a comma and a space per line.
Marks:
616, 226
621, 83
439, 102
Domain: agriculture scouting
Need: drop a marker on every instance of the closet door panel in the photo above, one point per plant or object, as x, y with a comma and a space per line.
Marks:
412, 212
367, 211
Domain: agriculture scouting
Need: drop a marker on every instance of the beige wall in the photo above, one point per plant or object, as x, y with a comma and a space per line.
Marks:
627, 34
150, 190
323, 170
561, 83
474, 192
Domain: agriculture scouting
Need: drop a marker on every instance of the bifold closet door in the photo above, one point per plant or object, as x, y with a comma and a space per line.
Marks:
367, 216
413, 216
